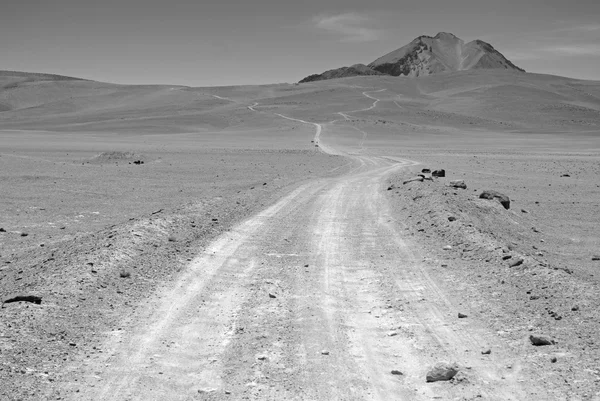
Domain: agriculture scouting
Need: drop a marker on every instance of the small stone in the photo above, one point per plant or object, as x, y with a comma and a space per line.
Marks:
324, 352
24, 234
2, 230
461, 315
506, 257
458, 184
486, 352
553, 359
447, 248
396, 372
451, 218
442, 371
261, 357
516, 262
539, 340
271, 295
596, 257
392, 333
575, 308
524, 211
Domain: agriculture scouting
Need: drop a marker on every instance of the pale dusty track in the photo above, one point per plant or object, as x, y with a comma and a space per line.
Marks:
298, 302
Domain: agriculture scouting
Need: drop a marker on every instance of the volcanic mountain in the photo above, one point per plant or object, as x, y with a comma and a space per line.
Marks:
427, 55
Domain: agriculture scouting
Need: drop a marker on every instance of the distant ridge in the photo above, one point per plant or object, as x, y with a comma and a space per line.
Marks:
352, 71
37, 76
427, 55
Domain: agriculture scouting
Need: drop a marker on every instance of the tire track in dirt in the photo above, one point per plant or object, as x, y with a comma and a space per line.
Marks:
317, 297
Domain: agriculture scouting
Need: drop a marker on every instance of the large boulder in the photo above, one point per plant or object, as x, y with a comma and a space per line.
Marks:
442, 371
490, 194
538, 340
439, 173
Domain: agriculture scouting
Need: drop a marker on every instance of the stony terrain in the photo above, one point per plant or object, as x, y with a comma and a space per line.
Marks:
260, 242
524, 271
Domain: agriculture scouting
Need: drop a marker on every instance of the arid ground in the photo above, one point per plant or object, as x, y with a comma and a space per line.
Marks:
260, 242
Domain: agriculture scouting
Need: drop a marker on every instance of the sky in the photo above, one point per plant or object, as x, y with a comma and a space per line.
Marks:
235, 42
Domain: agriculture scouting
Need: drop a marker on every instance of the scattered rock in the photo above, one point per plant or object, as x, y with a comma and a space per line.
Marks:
396, 372
458, 184
461, 315
516, 262
490, 194
538, 340
391, 187
442, 371
486, 352
24, 298
439, 173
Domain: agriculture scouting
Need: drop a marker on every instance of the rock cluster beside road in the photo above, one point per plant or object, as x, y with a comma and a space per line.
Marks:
503, 269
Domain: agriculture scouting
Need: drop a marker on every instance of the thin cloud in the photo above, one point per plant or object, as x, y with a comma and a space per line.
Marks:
574, 50
579, 28
350, 27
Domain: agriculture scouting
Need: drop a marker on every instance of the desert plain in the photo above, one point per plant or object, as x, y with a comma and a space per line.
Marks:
262, 242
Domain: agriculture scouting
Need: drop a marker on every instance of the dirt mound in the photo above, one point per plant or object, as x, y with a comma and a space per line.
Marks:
116, 157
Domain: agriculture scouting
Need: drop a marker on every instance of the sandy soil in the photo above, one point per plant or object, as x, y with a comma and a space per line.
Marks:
322, 284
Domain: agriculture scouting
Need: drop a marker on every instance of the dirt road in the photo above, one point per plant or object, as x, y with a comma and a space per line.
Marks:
317, 297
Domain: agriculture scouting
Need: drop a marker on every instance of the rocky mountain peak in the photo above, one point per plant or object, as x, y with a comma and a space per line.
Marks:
426, 55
